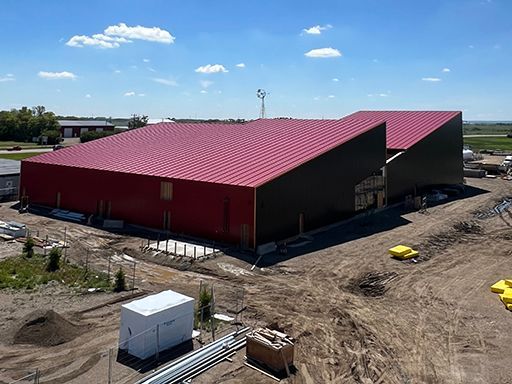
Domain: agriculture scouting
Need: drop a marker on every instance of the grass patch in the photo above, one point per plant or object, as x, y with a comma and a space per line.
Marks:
491, 143
19, 156
20, 272
10, 144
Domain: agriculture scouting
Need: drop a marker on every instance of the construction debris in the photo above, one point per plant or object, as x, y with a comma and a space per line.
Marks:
270, 349
402, 252
375, 283
504, 289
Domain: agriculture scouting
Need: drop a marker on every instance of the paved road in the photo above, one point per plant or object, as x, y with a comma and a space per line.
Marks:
40, 150
485, 135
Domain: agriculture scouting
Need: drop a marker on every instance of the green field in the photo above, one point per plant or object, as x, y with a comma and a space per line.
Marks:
18, 155
487, 129
491, 143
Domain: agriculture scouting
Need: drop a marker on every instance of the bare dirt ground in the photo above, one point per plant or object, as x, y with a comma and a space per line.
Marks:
358, 316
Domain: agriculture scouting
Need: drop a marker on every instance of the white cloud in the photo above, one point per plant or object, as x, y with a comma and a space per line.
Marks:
141, 94
88, 96
446, 70
331, 97
115, 35
323, 53
151, 69
7, 77
316, 98
203, 91
317, 29
139, 32
431, 79
57, 75
471, 46
131, 93
172, 83
240, 65
205, 83
117, 71
146, 60
378, 94
335, 79
98, 40
209, 68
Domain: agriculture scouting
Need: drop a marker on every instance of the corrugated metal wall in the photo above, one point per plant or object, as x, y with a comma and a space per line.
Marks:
196, 209
435, 160
321, 189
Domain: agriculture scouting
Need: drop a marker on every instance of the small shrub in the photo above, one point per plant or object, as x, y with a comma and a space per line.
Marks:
120, 282
28, 248
53, 260
204, 305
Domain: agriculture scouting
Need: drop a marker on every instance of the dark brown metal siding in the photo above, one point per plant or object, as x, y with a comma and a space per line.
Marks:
322, 189
435, 160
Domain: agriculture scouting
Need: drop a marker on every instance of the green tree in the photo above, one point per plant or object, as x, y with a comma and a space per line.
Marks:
28, 248
53, 260
137, 121
120, 281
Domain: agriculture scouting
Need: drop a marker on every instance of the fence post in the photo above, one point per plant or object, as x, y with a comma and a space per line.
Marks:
195, 252
109, 377
185, 250
204, 252
176, 248
212, 313
157, 342
166, 245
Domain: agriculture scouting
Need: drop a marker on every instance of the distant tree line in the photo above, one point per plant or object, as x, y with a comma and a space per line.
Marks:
24, 124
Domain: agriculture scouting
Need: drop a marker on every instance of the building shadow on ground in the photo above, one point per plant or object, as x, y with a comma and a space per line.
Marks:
344, 232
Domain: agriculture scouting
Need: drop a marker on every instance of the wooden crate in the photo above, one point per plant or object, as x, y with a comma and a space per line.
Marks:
269, 356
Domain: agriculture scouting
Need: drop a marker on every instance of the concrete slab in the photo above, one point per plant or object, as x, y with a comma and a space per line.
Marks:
181, 248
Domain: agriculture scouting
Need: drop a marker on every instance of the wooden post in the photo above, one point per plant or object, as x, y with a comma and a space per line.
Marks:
108, 273
166, 246
133, 278
212, 312
195, 252
185, 250
176, 248
65, 242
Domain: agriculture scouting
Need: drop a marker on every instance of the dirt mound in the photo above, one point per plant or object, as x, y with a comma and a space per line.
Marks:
45, 328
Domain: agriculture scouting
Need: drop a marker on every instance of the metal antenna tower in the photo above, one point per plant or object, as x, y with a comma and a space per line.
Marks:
261, 95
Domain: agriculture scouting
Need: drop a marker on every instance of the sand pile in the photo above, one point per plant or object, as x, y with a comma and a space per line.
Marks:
45, 328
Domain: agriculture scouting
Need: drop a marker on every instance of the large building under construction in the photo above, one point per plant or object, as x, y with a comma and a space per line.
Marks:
250, 183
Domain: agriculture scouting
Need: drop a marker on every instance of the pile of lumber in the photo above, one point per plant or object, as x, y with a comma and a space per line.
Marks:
271, 349
402, 252
504, 289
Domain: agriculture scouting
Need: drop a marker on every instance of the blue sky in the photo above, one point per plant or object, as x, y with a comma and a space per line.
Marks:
321, 59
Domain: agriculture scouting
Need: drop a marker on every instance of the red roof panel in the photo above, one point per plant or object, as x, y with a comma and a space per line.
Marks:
247, 154
406, 128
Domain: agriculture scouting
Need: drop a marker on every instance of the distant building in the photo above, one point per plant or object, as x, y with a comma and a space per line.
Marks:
74, 128
9, 179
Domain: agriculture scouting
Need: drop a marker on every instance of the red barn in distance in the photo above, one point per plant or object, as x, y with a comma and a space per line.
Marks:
250, 183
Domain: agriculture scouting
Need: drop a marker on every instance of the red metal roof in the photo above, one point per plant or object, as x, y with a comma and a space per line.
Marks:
406, 128
247, 154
